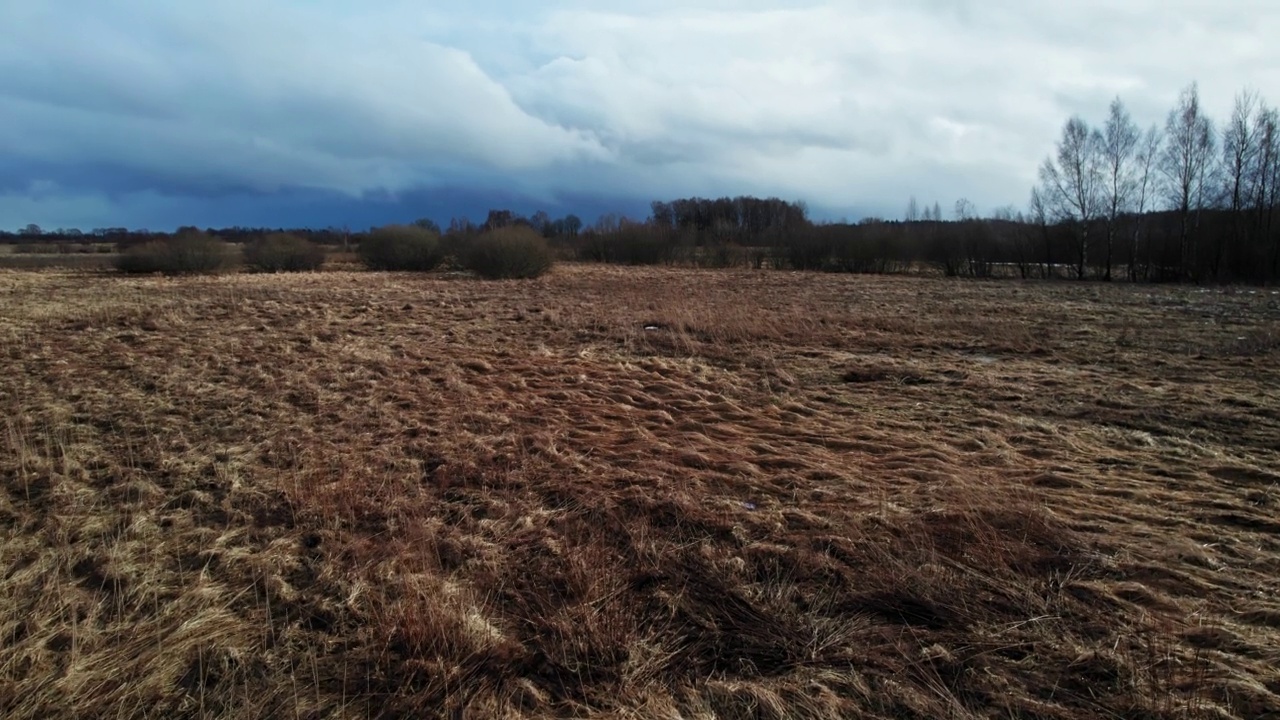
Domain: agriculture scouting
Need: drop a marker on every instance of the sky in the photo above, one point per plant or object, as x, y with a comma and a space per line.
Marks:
293, 113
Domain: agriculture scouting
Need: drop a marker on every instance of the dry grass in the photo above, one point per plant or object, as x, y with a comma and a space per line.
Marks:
636, 493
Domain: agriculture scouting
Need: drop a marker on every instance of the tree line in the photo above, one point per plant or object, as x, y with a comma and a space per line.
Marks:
1190, 201
1187, 201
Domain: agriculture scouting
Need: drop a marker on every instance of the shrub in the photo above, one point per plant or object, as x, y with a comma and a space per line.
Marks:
631, 243
282, 252
509, 252
401, 247
453, 246
184, 254
810, 249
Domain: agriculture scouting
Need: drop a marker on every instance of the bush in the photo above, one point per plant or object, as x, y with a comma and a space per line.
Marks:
631, 243
509, 252
453, 246
184, 254
810, 248
281, 252
401, 247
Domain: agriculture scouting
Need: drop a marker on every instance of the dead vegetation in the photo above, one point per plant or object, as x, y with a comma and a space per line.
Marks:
636, 493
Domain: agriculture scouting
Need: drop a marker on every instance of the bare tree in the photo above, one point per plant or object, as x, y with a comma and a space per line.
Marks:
1039, 214
541, 221
1239, 149
427, 224
1118, 145
1265, 157
975, 239
913, 210
1264, 180
1144, 183
1014, 236
1072, 183
1185, 163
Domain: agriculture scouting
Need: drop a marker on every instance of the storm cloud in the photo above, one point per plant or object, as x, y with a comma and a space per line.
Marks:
149, 113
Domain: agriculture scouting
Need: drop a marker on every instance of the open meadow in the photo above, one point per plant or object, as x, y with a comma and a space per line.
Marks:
637, 493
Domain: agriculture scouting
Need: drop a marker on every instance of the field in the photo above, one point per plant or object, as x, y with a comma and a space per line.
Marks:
637, 493
90, 258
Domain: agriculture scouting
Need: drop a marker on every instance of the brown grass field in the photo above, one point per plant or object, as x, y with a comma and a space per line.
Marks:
350, 494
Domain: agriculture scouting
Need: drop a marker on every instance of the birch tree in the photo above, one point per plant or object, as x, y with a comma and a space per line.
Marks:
1039, 214
1144, 186
1185, 163
1072, 181
1118, 145
1239, 151
1264, 182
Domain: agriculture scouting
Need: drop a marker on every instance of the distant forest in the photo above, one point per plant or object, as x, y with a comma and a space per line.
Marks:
1192, 201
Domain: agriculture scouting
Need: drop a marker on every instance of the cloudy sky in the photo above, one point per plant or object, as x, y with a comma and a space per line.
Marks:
158, 113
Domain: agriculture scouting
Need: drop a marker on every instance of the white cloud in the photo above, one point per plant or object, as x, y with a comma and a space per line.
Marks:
844, 104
